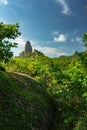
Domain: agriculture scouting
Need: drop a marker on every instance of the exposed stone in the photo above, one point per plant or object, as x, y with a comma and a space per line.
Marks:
28, 48
20, 111
22, 53
36, 51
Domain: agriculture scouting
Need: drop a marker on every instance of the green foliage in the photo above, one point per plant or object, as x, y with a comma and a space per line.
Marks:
82, 124
7, 32
65, 80
85, 39
72, 95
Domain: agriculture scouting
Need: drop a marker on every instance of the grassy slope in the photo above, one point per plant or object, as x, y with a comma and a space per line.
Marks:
24, 103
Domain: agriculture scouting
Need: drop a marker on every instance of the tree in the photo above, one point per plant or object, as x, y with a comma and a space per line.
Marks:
8, 33
85, 39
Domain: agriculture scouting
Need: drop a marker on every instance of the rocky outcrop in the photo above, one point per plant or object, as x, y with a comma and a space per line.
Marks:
28, 48
24, 103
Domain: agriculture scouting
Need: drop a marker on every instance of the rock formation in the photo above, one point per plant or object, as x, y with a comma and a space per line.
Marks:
28, 48
27, 108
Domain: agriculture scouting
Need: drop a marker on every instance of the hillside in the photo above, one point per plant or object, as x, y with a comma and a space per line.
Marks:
57, 91
24, 104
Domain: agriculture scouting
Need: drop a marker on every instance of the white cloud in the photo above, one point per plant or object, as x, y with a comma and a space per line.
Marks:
5, 2
3, 20
55, 33
48, 51
72, 40
60, 38
78, 39
21, 41
66, 9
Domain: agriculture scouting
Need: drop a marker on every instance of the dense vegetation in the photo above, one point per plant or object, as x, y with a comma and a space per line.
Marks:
65, 80
55, 98
7, 31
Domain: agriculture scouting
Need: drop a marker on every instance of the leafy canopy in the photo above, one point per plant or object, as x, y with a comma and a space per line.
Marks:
8, 32
85, 39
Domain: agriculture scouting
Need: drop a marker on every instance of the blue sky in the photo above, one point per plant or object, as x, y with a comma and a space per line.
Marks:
54, 27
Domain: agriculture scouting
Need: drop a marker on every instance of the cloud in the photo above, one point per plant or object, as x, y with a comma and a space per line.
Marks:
48, 51
78, 39
3, 20
55, 33
72, 40
5, 2
21, 41
66, 9
60, 38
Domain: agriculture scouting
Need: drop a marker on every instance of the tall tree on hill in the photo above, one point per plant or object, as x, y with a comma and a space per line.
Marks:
8, 32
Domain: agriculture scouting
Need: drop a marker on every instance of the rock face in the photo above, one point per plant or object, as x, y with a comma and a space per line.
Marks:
28, 48
24, 103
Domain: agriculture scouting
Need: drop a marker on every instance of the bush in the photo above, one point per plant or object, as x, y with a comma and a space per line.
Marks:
2, 68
